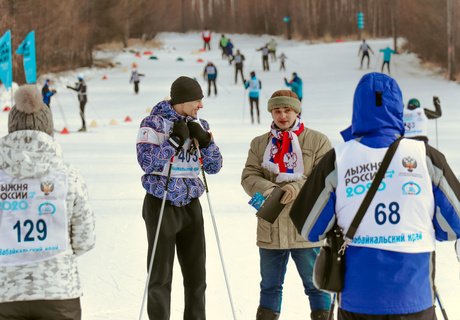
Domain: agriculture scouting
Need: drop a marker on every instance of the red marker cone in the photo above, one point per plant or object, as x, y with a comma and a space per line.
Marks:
65, 131
128, 119
6, 109
104, 77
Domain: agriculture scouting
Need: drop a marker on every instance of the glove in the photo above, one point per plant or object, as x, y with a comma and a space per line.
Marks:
436, 101
197, 132
179, 134
290, 193
53, 91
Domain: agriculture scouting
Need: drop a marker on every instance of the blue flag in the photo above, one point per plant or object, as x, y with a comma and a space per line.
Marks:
6, 60
27, 49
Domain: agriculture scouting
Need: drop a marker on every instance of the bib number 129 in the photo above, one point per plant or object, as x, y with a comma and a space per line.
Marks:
29, 230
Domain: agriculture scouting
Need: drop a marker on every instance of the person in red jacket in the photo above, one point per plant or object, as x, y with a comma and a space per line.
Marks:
206, 35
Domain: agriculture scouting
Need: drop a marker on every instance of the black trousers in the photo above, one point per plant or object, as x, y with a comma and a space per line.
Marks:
239, 69
181, 230
387, 63
82, 113
68, 309
365, 54
212, 82
265, 63
136, 87
254, 104
428, 314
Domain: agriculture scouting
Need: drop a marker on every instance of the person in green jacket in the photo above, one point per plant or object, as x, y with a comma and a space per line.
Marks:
223, 45
387, 57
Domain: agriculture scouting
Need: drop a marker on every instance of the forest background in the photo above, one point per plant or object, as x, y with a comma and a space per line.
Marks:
68, 32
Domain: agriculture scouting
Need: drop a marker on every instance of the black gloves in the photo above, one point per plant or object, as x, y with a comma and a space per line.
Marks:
179, 134
197, 132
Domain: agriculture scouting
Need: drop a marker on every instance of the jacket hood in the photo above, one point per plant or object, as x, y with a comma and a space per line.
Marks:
29, 153
377, 107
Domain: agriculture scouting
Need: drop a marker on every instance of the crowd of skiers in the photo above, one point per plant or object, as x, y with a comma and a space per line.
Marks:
389, 263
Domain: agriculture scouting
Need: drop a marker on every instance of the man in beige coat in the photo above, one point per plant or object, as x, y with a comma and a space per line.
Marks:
284, 157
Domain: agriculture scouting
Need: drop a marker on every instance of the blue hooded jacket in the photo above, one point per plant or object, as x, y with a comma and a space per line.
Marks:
376, 126
378, 281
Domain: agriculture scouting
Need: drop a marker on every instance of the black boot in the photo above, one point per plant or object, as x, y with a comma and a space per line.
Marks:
266, 314
320, 315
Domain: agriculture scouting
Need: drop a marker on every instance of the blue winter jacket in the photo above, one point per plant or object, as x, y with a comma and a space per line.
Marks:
378, 281
254, 91
296, 86
152, 157
387, 53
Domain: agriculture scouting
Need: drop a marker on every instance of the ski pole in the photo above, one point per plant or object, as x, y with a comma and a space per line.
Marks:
438, 297
216, 233
62, 112
157, 233
330, 316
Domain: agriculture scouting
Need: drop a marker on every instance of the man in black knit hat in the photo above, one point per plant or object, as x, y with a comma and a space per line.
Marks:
170, 132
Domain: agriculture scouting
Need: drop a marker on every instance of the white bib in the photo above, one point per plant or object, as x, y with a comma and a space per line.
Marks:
415, 123
185, 165
33, 218
400, 215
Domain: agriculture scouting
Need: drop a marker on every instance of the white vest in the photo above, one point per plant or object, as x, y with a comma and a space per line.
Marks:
415, 123
33, 218
400, 215
185, 165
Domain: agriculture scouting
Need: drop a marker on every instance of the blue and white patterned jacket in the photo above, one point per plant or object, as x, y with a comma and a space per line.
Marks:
153, 158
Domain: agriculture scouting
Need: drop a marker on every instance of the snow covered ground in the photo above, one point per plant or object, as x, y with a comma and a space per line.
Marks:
114, 273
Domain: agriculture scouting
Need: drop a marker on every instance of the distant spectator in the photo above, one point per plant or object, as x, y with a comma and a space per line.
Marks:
272, 49
238, 60
387, 52
265, 51
254, 85
206, 36
47, 93
210, 73
295, 84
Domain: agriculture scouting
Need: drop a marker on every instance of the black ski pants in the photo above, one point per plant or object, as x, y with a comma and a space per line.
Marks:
68, 309
136, 87
82, 112
181, 230
254, 104
428, 314
265, 65
239, 69
365, 54
387, 63
212, 82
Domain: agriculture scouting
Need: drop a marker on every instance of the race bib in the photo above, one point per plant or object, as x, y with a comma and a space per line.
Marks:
33, 218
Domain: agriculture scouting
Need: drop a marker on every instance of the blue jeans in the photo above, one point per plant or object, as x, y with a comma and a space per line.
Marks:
273, 264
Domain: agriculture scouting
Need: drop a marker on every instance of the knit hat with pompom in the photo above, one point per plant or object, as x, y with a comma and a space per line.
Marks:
29, 112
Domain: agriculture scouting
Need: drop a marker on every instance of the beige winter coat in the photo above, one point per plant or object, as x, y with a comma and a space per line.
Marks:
282, 233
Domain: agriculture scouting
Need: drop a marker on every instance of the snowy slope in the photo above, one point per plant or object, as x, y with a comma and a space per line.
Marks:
114, 273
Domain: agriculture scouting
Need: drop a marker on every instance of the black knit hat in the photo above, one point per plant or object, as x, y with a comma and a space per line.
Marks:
185, 89
29, 112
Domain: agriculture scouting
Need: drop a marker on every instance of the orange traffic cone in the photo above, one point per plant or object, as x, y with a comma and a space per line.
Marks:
65, 131
128, 119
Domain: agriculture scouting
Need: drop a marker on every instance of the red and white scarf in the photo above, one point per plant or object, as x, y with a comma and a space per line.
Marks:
283, 154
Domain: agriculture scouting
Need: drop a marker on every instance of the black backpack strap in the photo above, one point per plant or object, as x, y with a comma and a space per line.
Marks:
372, 190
